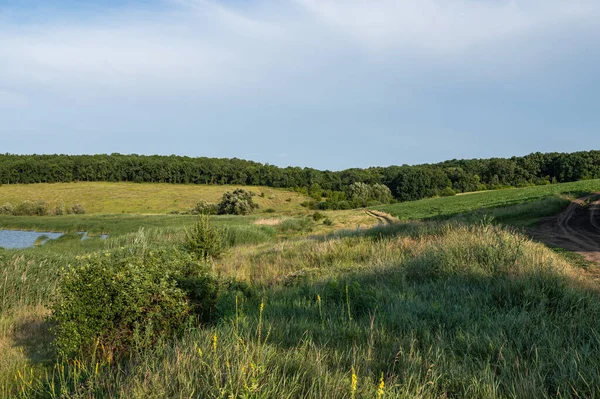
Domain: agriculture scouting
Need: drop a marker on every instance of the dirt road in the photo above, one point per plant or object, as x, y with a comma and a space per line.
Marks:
576, 229
382, 217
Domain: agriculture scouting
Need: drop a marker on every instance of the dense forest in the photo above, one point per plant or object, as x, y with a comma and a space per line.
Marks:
405, 182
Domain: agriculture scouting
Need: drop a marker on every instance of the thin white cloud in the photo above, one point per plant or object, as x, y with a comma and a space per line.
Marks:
205, 45
437, 25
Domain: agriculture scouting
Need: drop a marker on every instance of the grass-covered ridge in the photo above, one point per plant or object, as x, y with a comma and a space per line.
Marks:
432, 308
446, 207
450, 306
142, 198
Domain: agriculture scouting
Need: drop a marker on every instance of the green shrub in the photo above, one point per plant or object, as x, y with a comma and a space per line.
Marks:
318, 216
447, 192
31, 208
60, 209
203, 240
77, 209
121, 299
327, 222
7, 209
205, 208
238, 202
269, 210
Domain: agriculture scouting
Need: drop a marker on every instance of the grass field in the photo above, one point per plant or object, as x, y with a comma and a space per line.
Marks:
446, 207
142, 198
420, 309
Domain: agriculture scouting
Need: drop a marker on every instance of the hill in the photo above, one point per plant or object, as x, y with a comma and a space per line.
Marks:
143, 198
492, 202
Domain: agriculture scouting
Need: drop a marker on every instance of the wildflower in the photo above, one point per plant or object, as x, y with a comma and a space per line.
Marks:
380, 390
353, 384
215, 342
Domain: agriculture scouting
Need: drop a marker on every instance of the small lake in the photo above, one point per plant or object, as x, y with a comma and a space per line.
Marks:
16, 239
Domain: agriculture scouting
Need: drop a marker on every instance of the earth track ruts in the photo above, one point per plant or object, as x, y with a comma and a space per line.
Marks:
576, 229
382, 217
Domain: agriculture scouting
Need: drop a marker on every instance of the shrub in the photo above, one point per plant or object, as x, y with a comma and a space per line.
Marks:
60, 209
327, 222
269, 210
205, 208
7, 209
203, 240
121, 299
31, 208
447, 192
238, 202
77, 209
309, 204
318, 216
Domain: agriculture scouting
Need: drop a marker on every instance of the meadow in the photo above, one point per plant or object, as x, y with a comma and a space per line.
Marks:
485, 202
452, 305
142, 198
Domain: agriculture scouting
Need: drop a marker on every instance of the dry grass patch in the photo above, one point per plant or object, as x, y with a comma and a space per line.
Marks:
111, 198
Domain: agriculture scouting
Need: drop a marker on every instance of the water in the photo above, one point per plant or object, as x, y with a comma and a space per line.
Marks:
11, 239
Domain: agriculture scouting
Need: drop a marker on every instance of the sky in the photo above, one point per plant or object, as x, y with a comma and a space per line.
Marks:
329, 84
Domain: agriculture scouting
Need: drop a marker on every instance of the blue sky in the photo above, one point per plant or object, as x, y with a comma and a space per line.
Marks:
322, 83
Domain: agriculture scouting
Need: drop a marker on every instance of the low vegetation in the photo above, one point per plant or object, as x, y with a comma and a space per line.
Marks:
39, 208
453, 305
554, 197
140, 198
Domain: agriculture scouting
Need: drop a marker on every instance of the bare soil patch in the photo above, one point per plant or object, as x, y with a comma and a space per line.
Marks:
576, 229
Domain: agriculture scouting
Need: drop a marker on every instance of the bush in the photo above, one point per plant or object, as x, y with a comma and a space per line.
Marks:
327, 222
447, 192
77, 209
7, 209
238, 202
318, 216
203, 240
204, 208
122, 299
270, 210
31, 208
60, 209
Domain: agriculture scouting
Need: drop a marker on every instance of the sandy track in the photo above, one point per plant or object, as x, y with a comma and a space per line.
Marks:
576, 229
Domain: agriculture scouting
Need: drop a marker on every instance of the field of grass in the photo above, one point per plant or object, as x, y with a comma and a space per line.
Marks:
431, 309
142, 198
419, 309
446, 207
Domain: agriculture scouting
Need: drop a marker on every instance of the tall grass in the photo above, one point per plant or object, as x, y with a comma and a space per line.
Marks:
431, 309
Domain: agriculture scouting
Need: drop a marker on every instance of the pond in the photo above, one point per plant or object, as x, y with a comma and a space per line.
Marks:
16, 239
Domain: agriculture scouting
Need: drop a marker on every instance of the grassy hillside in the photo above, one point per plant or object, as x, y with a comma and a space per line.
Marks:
446, 207
141, 198
432, 310
427, 309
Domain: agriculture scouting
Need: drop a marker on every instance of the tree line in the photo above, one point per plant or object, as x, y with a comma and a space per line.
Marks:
405, 182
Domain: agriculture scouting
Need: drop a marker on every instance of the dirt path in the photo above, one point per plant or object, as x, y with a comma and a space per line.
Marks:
576, 229
382, 217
